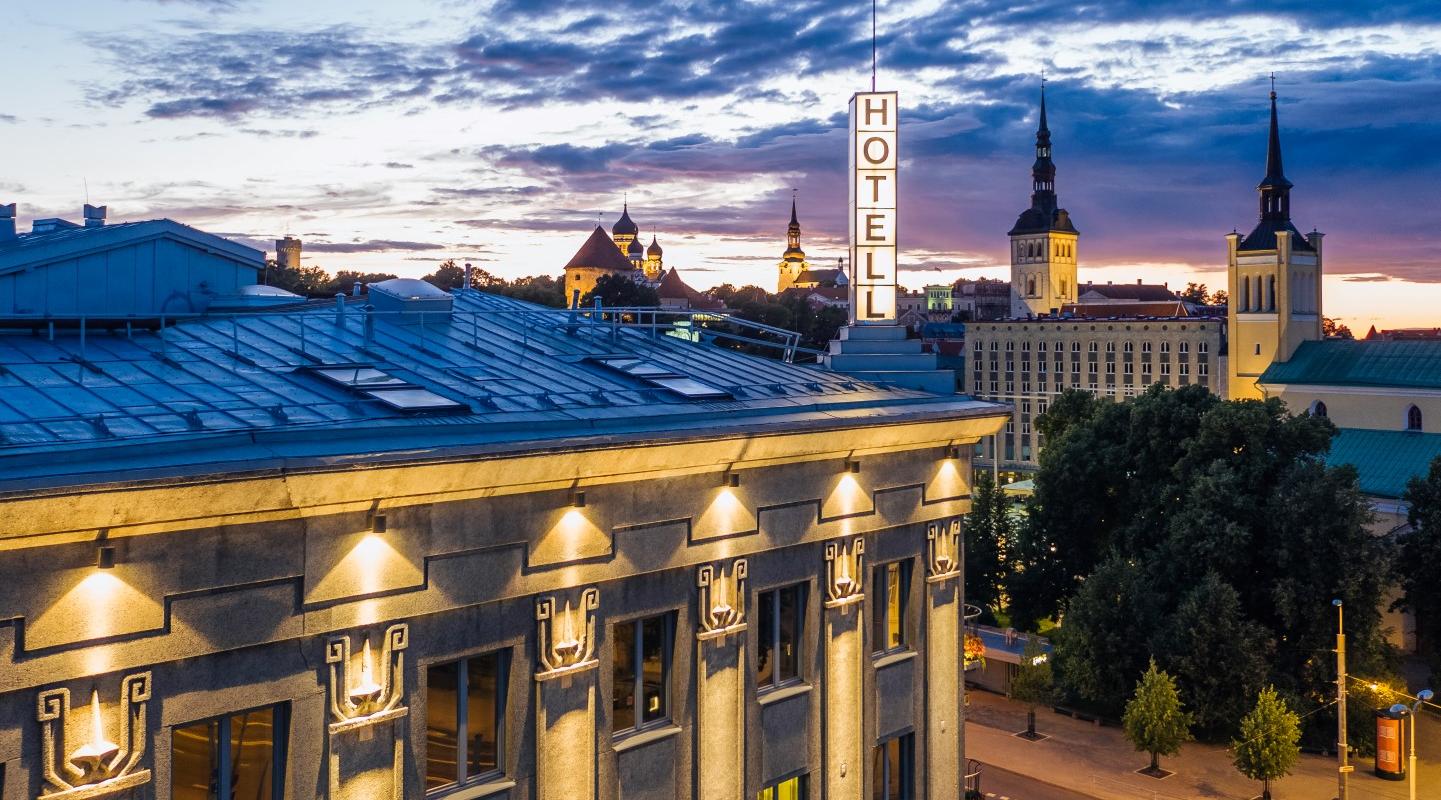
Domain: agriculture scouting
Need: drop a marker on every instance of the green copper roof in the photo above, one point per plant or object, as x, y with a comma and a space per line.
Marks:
1414, 364
1386, 460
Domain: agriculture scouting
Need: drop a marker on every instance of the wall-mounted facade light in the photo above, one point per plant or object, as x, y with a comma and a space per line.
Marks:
105, 557
853, 466
379, 524
731, 479
953, 452
577, 499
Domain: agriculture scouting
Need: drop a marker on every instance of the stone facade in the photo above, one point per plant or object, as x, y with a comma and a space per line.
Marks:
329, 591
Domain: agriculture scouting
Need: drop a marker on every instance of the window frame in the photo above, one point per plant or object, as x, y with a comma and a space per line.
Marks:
906, 744
462, 714
880, 623
667, 675
776, 681
279, 747
802, 787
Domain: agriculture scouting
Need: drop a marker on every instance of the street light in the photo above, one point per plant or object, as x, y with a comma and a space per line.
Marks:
1401, 709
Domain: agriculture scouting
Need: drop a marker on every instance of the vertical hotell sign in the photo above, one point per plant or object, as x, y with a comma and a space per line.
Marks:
873, 208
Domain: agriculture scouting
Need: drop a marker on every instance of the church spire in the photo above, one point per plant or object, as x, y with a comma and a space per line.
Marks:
1274, 188
795, 223
1043, 172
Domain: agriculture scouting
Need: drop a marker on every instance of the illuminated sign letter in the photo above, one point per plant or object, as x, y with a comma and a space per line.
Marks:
874, 127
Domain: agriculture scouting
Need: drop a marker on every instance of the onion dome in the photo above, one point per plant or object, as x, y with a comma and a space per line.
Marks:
624, 226
654, 249
635, 249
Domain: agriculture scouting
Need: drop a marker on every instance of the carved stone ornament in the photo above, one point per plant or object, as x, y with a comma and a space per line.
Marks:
565, 640
945, 551
99, 767
722, 600
356, 700
843, 573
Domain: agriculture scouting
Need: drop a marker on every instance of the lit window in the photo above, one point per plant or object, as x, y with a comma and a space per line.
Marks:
640, 673
788, 789
781, 629
892, 770
892, 583
237, 755
464, 721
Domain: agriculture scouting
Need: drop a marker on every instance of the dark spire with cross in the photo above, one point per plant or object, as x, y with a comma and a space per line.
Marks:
1044, 213
1275, 191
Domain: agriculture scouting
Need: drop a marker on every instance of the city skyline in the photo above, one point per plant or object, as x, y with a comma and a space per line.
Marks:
501, 134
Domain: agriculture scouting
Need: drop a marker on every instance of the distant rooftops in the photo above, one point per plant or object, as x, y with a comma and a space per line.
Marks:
1402, 363
1124, 292
600, 252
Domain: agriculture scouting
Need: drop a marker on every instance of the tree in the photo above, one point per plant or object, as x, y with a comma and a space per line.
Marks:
1071, 407
1195, 293
1332, 329
304, 281
989, 535
1105, 637
1154, 720
345, 280
1268, 746
619, 291
1416, 568
1220, 297
1033, 684
1217, 655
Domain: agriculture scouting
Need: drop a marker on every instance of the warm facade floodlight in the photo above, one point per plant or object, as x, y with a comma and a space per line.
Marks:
953, 452
853, 466
105, 557
577, 499
731, 479
378, 524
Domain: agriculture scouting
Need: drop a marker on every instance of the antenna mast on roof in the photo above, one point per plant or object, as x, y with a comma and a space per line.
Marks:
873, 45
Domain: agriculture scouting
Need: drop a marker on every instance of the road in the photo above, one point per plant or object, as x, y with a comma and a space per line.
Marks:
1000, 784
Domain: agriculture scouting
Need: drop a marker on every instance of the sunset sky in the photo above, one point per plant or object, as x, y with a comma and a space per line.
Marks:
392, 135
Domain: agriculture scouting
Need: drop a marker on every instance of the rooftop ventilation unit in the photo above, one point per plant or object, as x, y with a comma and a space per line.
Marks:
410, 296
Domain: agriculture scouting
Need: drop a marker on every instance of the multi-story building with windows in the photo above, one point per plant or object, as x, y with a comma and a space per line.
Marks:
451, 545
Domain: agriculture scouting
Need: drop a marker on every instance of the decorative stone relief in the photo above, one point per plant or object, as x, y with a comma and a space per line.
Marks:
565, 640
357, 701
99, 767
722, 600
945, 551
843, 573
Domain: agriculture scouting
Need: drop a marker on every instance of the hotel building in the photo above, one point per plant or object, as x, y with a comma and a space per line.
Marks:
451, 545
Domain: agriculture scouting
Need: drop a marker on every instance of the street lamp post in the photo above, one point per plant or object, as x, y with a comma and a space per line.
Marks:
1342, 769
1401, 708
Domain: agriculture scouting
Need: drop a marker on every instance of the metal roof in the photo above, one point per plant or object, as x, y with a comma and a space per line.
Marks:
1414, 364
495, 369
1385, 460
29, 250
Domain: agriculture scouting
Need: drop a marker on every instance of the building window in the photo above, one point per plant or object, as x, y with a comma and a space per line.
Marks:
1145, 347
1185, 368
994, 346
1185, 347
889, 617
1165, 347
788, 789
464, 721
1165, 368
1128, 367
1318, 409
892, 769
979, 345
1091, 347
1413, 419
640, 673
781, 629
1075, 347
1091, 367
1203, 347
1128, 347
237, 755
1041, 346
1110, 368
1010, 366
1258, 348
1010, 346
1203, 368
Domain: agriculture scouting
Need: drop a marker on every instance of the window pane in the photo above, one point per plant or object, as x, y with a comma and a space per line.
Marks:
790, 633
482, 696
895, 608
194, 751
252, 754
655, 663
623, 677
893, 770
790, 789
441, 742
765, 639
880, 616
878, 772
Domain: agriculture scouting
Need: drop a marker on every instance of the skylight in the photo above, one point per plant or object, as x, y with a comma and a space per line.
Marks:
394, 392
663, 378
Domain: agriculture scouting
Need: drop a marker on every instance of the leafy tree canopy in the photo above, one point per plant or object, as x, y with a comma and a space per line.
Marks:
1154, 720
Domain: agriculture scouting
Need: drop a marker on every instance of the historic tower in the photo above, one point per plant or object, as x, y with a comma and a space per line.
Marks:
1043, 240
1273, 279
793, 261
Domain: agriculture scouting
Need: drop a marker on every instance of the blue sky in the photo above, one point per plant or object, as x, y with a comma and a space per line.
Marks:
391, 135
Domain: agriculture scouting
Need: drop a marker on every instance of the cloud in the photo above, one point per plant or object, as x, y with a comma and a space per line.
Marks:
371, 246
268, 133
397, 165
9, 119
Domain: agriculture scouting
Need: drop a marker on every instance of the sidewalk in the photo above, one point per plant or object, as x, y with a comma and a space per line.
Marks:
1098, 761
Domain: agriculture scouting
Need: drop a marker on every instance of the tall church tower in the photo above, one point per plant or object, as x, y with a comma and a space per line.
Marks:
1273, 279
1043, 240
793, 261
